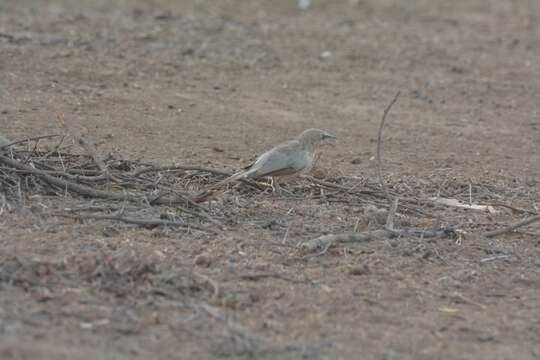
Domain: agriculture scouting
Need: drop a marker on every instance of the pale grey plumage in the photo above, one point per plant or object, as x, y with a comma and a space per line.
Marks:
289, 158
4, 141
285, 159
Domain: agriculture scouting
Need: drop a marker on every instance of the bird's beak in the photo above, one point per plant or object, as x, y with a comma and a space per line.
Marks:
328, 139
330, 136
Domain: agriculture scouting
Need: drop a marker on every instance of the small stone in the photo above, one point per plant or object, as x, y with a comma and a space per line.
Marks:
203, 260
359, 270
260, 266
372, 213
325, 55
356, 161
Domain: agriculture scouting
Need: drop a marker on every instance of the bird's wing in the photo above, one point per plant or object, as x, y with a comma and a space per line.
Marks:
285, 159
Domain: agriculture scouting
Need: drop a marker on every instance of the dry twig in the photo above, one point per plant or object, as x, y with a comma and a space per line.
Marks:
326, 241
148, 223
29, 139
512, 227
379, 150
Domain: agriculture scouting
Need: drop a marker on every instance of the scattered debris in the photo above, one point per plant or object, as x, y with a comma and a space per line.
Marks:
493, 258
459, 204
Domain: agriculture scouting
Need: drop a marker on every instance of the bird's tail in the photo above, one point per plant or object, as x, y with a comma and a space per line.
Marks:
239, 175
211, 189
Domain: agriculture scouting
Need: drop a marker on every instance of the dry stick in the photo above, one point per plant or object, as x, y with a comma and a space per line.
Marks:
161, 198
70, 176
194, 168
513, 208
202, 212
95, 208
263, 275
379, 151
29, 139
141, 222
337, 186
180, 167
493, 258
512, 227
389, 226
325, 241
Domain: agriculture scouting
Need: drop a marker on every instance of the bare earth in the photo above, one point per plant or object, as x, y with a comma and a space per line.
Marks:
213, 83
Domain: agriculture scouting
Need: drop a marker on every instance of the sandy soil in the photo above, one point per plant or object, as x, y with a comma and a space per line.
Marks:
213, 83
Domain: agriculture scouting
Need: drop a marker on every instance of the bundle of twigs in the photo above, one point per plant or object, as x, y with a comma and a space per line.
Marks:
26, 172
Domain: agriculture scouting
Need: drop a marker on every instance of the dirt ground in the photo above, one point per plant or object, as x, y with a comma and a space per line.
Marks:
213, 83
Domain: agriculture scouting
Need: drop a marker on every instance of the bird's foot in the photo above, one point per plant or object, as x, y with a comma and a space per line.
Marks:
275, 186
278, 190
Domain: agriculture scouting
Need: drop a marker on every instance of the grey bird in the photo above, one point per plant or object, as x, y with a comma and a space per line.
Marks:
4, 141
289, 158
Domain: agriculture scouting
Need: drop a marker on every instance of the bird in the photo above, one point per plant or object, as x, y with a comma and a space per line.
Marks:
289, 158
4, 142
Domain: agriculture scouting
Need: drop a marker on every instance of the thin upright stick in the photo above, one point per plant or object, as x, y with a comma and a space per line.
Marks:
379, 150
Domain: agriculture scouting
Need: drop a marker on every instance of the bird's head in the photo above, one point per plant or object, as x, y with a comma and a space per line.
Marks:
315, 137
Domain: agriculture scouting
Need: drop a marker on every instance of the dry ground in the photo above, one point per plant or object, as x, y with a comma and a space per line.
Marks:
214, 82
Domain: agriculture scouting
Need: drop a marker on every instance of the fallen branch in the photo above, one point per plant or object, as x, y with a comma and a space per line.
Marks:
180, 168
264, 275
83, 178
512, 227
493, 258
337, 186
28, 139
147, 223
326, 241
513, 208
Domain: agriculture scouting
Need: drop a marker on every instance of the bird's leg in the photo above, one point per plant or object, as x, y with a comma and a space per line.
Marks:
275, 185
316, 158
